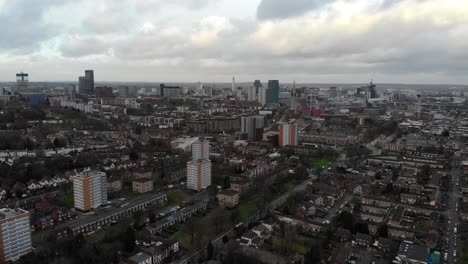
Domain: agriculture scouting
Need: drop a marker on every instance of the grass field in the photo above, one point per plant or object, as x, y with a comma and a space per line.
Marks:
69, 200
246, 210
174, 197
183, 239
132, 195
300, 244
322, 163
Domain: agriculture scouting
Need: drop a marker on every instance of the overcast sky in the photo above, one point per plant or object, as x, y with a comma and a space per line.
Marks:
407, 41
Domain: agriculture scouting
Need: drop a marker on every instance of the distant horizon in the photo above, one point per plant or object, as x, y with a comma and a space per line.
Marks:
246, 82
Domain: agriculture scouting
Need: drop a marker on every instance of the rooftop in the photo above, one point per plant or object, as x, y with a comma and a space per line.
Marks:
6, 213
87, 174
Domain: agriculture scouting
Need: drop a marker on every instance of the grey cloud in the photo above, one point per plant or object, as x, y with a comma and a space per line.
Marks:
277, 9
23, 27
80, 46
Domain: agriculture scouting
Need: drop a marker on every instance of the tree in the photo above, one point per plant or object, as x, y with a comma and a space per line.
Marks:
383, 231
346, 220
128, 239
152, 216
361, 227
313, 256
227, 182
209, 251
138, 219
446, 133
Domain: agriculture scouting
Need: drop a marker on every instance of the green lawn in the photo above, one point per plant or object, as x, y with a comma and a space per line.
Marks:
174, 197
300, 244
322, 163
69, 200
246, 210
183, 239
132, 195
289, 186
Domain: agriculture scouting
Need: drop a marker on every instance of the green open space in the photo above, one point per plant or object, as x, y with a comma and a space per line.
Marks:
132, 195
321, 163
183, 238
301, 244
174, 197
246, 210
69, 200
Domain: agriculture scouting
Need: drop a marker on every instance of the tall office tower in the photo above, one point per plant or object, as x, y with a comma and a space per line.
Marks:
15, 234
233, 88
89, 75
86, 83
123, 91
208, 91
272, 93
71, 91
239, 94
371, 92
333, 92
198, 174
418, 106
22, 80
253, 127
200, 90
81, 85
288, 134
257, 84
200, 150
90, 190
251, 93
261, 95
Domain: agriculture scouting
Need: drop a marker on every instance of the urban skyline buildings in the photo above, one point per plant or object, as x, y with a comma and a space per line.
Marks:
15, 234
272, 93
90, 190
252, 126
86, 83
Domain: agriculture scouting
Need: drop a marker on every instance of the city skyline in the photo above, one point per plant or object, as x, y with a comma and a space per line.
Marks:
306, 41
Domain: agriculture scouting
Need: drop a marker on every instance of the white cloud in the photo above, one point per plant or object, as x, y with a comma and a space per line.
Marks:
209, 29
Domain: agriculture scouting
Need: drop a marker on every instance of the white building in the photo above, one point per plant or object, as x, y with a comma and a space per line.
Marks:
261, 95
200, 150
90, 190
15, 235
198, 175
288, 134
251, 93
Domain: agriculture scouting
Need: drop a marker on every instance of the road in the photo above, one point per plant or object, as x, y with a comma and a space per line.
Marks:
333, 212
452, 238
217, 242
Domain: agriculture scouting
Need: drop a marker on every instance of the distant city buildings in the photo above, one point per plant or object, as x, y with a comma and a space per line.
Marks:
252, 126
86, 83
22, 80
15, 234
104, 92
170, 91
262, 96
288, 134
199, 168
123, 91
272, 93
90, 190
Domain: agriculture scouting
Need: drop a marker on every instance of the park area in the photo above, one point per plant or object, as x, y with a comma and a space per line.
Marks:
321, 164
